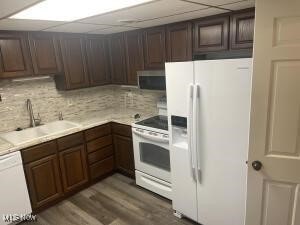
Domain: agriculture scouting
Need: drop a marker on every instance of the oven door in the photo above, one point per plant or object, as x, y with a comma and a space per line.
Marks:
152, 155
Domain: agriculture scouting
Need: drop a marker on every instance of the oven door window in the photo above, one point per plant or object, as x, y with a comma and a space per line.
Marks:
155, 155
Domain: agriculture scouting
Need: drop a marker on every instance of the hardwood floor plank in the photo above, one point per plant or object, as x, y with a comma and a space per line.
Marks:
93, 208
115, 200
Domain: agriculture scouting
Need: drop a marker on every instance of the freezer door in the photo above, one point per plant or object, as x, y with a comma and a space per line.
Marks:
223, 113
179, 85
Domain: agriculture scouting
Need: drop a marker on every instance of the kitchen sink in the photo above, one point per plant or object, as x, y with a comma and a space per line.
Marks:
54, 128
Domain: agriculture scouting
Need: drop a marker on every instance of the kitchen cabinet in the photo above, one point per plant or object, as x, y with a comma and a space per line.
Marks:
123, 146
73, 168
211, 34
179, 42
155, 48
74, 63
45, 53
100, 151
42, 174
97, 58
117, 58
134, 55
242, 30
15, 60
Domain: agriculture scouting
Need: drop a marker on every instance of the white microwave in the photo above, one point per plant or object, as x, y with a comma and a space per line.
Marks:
152, 79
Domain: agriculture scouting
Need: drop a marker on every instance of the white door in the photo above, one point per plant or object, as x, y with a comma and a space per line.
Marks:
179, 76
273, 196
222, 139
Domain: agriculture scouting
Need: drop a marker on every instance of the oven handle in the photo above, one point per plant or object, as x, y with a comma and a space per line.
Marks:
150, 137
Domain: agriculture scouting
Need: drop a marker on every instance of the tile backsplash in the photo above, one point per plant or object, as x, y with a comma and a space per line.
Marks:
48, 101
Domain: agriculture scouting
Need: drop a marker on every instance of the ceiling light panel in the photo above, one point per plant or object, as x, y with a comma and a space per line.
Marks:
70, 10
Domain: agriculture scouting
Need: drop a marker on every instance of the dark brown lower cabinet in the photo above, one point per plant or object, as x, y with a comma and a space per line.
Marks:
73, 168
43, 181
56, 169
124, 154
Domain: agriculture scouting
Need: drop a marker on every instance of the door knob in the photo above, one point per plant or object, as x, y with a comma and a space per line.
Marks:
257, 165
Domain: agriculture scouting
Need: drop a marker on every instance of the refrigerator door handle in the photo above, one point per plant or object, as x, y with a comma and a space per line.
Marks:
190, 130
197, 146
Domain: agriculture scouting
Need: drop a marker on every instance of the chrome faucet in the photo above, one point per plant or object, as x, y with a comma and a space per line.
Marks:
33, 121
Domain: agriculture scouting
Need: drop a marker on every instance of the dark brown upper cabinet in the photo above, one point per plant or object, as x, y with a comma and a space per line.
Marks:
45, 53
116, 46
74, 62
211, 34
155, 48
179, 42
134, 55
242, 30
97, 57
15, 58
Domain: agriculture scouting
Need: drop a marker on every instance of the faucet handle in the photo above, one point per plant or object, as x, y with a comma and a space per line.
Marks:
60, 116
38, 120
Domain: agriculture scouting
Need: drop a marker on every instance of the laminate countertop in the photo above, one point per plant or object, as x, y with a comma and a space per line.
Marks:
90, 120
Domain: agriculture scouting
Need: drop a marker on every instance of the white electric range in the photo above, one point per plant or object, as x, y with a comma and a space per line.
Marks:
152, 155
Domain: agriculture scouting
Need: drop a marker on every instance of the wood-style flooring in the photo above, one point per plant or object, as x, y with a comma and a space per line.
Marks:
115, 200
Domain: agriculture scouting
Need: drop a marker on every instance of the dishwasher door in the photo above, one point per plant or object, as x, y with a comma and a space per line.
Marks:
14, 198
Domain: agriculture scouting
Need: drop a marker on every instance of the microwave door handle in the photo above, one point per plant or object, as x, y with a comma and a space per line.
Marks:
150, 137
197, 129
190, 130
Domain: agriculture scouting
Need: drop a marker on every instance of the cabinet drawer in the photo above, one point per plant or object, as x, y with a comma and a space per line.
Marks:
70, 141
39, 151
102, 168
100, 154
123, 130
97, 132
99, 143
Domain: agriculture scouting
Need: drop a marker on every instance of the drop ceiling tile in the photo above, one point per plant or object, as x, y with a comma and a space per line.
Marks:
143, 12
180, 17
34, 25
9, 7
215, 2
76, 28
111, 30
240, 5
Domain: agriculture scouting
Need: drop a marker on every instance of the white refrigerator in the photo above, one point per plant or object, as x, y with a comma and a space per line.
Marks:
209, 119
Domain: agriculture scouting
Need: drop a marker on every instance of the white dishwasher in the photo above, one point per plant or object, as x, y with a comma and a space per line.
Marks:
14, 198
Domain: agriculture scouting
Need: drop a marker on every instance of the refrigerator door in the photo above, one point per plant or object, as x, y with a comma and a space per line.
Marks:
223, 115
180, 85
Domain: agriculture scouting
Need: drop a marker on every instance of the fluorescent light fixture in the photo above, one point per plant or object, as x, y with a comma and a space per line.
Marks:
70, 10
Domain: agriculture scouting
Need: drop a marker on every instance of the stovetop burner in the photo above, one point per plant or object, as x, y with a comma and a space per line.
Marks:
158, 122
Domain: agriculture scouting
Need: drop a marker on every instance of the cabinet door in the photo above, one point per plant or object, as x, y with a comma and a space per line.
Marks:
155, 48
124, 154
43, 181
73, 168
97, 61
179, 42
117, 59
44, 53
211, 34
74, 61
15, 58
134, 55
242, 30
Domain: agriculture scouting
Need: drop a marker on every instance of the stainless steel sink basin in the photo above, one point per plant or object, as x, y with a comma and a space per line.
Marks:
54, 128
